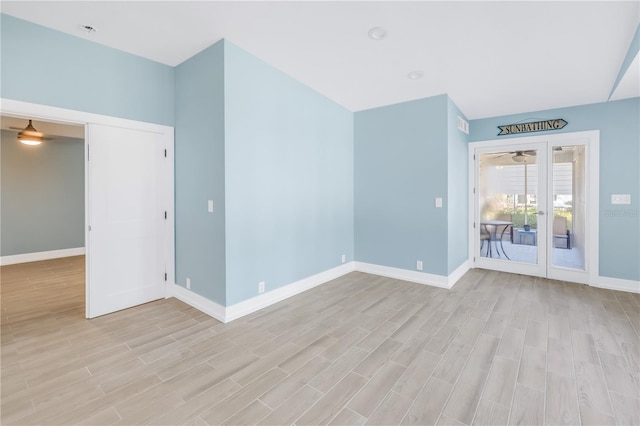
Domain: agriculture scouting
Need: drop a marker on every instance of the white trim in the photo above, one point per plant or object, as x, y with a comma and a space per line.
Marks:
592, 254
41, 255
87, 217
249, 306
192, 299
168, 182
471, 214
617, 284
586, 134
267, 299
50, 113
414, 276
458, 273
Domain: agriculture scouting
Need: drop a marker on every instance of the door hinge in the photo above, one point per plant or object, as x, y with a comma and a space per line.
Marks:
165, 276
165, 153
474, 190
474, 157
165, 214
474, 258
474, 225
87, 152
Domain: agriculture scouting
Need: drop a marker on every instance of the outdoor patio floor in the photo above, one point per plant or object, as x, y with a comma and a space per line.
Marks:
566, 258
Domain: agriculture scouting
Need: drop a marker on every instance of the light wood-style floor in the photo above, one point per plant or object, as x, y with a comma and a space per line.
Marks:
496, 349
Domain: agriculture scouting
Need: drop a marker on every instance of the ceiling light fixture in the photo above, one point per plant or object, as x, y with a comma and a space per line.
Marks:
377, 33
415, 75
88, 29
30, 136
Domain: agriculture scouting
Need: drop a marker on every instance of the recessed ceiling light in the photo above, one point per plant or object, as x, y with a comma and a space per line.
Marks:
415, 75
88, 29
377, 33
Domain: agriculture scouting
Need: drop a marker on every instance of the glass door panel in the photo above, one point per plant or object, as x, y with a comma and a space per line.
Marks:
509, 206
569, 207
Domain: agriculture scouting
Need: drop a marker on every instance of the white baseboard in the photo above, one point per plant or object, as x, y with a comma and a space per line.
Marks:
617, 284
249, 306
201, 303
458, 273
262, 301
42, 255
414, 276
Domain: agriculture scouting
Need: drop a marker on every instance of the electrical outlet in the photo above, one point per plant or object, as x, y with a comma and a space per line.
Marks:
261, 287
344, 258
188, 284
419, 265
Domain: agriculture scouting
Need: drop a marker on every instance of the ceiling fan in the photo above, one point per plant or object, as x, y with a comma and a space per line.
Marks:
518, 156
29, 135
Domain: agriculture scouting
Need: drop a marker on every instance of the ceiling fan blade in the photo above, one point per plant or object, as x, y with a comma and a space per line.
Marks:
16, 128
531, 152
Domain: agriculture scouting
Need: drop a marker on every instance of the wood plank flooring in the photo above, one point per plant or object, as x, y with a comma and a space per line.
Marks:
496, 349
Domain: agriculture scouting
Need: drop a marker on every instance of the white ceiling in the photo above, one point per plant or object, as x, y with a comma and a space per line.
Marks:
49, 128
492, 58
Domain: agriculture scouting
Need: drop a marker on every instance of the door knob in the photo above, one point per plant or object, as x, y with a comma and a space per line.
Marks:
540, 212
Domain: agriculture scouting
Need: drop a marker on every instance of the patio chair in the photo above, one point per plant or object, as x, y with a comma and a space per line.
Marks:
561, 232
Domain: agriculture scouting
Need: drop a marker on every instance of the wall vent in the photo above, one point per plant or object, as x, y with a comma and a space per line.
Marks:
463, 125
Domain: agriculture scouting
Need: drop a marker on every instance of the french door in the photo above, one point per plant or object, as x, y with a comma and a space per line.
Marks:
533, 206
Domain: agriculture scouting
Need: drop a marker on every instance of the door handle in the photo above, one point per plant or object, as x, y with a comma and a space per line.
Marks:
540, 212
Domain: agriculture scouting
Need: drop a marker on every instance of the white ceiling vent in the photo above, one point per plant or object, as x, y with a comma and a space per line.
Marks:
463, 125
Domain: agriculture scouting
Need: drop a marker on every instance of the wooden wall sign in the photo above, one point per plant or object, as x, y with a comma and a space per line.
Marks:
534, 126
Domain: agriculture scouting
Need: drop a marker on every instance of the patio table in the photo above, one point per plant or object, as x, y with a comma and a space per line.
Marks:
493, 232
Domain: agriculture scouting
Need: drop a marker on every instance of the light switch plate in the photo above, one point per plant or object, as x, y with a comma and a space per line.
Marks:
210, 206
620, 198
438, 202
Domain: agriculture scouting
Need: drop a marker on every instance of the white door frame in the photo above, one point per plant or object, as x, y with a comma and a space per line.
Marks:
50, 113
592, 177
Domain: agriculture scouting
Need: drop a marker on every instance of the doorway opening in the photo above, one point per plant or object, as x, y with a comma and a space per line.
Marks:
43, 213
128, 207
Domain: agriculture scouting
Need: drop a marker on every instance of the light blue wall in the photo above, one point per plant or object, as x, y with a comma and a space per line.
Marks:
619, 127
297, 180
42, 195
48, 67
400, 168
199, 173
458, 191
289, 178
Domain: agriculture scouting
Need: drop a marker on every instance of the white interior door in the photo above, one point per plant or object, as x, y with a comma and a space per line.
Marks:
126, 218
